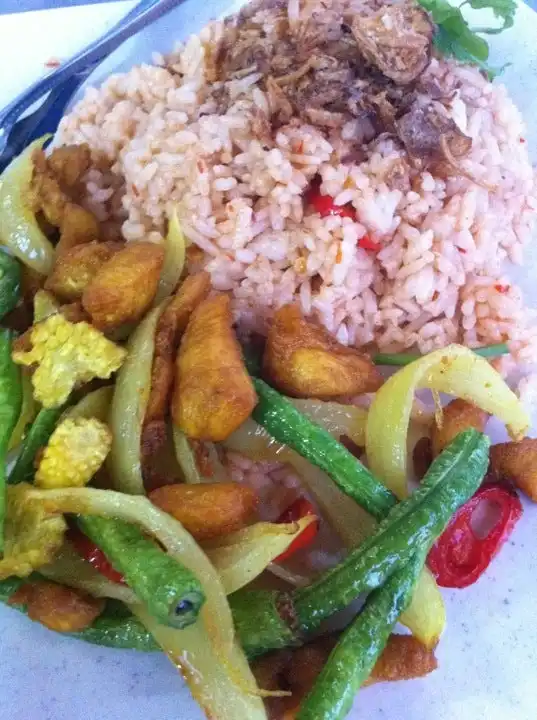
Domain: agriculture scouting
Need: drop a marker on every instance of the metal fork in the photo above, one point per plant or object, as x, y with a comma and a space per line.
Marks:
60, 85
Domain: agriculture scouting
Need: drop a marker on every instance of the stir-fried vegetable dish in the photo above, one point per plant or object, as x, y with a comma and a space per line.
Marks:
130, 399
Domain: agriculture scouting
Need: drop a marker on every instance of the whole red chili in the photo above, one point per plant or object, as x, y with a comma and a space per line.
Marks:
87, 550
459, 556
298, 509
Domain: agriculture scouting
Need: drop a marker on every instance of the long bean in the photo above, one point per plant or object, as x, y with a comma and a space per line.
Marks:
172, 593
402, 359
10, 283
289, 426
353, 658
37, 437
412, 526
10, 408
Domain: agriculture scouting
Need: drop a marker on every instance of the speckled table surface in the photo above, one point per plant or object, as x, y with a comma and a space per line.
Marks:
488, 656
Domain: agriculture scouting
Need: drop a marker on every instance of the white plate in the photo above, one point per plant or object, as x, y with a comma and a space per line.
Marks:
488, 655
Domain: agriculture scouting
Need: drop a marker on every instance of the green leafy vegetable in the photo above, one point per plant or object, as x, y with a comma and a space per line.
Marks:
455, 38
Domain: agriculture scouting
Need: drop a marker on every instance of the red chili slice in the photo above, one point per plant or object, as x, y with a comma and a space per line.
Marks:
459, 557
368, 244
325, 206
300, 508
87, 549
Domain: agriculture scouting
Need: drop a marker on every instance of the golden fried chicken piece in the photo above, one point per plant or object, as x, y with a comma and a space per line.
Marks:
403, 658
54, 185
75, 268
517, 461
78, 227
57, 607
208, 510
69, 163
125, 286
458, 415
171, 325
302, 359
213, 393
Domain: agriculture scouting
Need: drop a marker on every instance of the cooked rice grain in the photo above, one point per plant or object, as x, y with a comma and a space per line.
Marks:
240, 199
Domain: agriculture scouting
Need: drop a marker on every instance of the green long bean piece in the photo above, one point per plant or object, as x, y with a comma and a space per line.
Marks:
353, 658
10, 283
412, 526
171, 592
10, 408
289, 426
401, 359
37, 437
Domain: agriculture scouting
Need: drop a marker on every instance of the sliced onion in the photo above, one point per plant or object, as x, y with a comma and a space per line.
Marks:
454, 370
19, 229
129, 403
242, 556
347, 518
336, 418
219, 694
186, 457
95, 404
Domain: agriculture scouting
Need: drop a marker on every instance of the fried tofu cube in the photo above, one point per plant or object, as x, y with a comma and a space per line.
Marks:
125, 286
517, 461
213, 393
458, 416
302, 359
75, 268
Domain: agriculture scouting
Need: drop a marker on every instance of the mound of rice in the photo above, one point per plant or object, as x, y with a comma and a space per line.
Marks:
438, 277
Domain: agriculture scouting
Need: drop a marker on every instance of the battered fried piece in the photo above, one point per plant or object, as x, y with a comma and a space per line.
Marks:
516, 461
403, 658
422, 457
54, 185
458, 415
78, 226
302, 359
75, 268
69, 163
124, 287
213, 393
209, 510
171, 325
57, 607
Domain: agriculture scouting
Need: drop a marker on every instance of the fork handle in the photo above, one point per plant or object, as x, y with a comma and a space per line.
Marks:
140, 16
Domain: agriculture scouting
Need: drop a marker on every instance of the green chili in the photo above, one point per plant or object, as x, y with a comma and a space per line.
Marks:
10, 283
401, 359
10, 408
37, 437
289, 426
171, 592
353, 658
